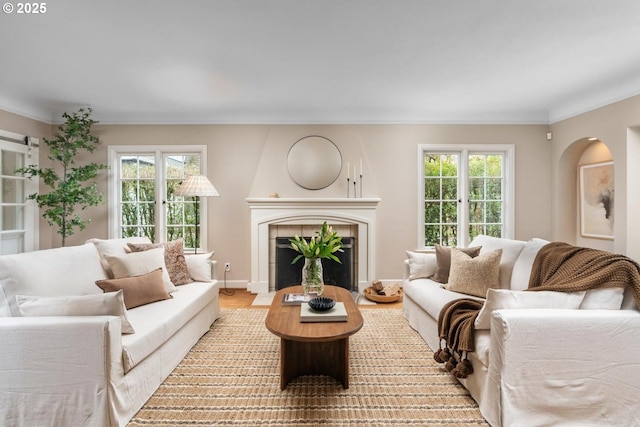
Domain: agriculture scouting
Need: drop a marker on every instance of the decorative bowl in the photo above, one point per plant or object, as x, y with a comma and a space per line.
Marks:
321, 303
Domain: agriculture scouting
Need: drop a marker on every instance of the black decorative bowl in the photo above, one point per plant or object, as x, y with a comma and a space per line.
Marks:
321, 303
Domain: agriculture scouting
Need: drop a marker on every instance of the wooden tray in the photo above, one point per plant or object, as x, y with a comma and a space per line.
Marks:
372, 295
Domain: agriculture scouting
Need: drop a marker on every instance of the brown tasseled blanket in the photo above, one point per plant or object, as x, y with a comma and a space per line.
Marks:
558, 266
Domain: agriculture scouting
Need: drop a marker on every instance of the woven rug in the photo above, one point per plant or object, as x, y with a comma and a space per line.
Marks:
231, 378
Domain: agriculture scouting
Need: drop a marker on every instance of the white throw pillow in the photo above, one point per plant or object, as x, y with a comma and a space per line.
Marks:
110, 304
603, 299
421, 265
199, 266
522, 268
114, 247
498, 299
139, 263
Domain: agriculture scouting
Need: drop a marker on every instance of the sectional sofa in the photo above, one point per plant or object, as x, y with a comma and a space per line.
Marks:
569, 360
74, 350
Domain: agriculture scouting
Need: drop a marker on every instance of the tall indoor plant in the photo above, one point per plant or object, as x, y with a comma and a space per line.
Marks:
72, 187
324, 244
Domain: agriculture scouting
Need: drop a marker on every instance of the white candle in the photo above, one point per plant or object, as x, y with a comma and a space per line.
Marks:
354, 173
360, 167
348, 173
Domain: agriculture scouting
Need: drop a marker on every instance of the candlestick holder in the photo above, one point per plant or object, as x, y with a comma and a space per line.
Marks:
360, 185
348, 187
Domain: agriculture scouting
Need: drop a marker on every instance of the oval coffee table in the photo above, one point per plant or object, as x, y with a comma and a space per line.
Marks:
320, 348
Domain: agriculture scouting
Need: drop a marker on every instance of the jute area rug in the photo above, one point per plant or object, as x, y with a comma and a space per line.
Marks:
232, 378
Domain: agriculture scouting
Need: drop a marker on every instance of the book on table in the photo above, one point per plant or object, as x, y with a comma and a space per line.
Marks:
338, 313
296, 298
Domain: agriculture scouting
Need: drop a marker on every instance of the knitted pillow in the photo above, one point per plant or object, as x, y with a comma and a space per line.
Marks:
443, 261
474, 276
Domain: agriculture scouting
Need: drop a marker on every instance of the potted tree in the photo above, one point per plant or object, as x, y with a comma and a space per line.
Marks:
72, 187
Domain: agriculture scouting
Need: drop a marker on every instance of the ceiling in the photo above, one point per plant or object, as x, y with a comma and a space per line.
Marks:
320, 61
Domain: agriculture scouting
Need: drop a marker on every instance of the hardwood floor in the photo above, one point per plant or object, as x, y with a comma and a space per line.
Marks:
240, 298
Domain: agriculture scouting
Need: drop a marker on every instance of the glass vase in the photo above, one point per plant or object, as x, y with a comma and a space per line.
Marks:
312, 282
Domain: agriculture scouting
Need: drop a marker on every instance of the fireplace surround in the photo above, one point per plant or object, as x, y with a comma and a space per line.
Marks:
354, 217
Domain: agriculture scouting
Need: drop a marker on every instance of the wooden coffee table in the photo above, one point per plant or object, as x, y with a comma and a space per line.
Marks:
313, 348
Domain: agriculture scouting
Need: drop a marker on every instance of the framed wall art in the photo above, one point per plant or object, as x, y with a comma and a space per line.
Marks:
597, 197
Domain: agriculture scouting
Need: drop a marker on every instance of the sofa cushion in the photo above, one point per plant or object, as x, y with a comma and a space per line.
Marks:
138, 290
603, 299
510, 251
473, 276
443, 261
114, 247
156, 323
111, 304
71, 270
138, 263
199, 266
421, 265
173, 259
430, 295
498, 299
522, 267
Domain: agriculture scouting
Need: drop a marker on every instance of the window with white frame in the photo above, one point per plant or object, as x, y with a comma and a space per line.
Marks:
464, 191
142, 183
18, 215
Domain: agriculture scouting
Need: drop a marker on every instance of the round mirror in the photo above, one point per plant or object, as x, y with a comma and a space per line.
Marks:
314, 162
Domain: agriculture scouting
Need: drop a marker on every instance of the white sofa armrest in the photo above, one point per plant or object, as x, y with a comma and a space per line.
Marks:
56, 370
561, 367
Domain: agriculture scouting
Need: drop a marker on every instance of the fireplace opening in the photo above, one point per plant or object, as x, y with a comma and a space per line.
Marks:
338, 274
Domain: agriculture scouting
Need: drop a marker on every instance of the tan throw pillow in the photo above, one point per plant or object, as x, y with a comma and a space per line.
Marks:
138, 290
111, 304
138, 263
173, 259
474, 276
443, 261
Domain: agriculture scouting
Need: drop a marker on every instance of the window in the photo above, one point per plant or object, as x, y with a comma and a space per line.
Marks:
141, 193
464, 192
18, 216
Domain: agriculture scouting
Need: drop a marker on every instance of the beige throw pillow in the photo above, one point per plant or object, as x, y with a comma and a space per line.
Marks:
111, 304
138, 290
173, 259
474, 276
443, 261
138, 263
114, 247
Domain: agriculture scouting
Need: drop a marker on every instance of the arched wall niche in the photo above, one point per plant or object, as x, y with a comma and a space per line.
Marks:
583, 151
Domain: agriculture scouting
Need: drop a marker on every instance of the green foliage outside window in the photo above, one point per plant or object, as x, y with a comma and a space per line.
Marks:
138, 197
441, 199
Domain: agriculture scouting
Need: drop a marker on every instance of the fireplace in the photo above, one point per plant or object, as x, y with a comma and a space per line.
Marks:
282, 217
334, 273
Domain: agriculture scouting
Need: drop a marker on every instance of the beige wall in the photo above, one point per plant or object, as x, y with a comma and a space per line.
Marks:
616, 125
250, 161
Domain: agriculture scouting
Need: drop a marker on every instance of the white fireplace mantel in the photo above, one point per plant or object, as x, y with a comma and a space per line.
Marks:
266, 212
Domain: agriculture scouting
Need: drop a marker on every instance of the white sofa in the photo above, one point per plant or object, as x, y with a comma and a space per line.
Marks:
82, 370
542, 366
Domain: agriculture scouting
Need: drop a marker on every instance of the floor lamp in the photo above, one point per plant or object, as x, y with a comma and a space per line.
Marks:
197, 186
